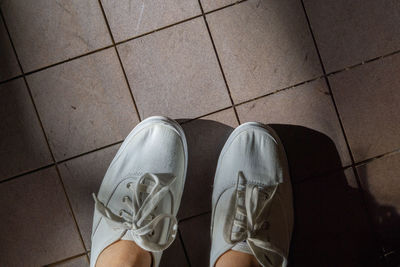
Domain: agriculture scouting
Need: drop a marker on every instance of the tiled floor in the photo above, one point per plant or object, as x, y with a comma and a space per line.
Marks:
77, 76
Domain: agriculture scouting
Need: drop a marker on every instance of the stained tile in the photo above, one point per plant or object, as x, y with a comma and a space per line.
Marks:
331, 224
205, 138
8, 62
76, 262
368, 101
209, 5
84, 104
36, 226
175, 72
82, 176
196, 239
263, 46
305, 119
128, 19
350, 32
45, 32
23, 146
174, 255
380, 180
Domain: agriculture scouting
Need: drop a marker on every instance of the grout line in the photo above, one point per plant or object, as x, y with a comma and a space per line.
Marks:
120, 61
43, 131
26, 173
280, 90
193, 216
219, 62
184, 248
65, 260
89, 152
220, 8
205, 115
366, 161
365, 203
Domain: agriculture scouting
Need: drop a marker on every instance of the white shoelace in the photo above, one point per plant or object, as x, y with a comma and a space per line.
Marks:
252, 208
140, 222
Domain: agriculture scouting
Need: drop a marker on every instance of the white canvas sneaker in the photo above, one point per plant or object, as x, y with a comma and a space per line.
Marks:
252, 209
141, 191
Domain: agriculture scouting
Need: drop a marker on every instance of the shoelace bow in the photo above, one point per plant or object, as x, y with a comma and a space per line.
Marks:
250, 218
140, 222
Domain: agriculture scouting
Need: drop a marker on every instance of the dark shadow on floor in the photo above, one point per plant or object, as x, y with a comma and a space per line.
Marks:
331, 223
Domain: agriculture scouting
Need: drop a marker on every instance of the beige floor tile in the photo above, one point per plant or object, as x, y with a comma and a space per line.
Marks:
368, 100
175, 72
205, 138
84, 104
350, 32
380, 180
263, 46
209, 5
8, 62
305, 119
45, 32
23, 145
128, 19
82, 176
36, 227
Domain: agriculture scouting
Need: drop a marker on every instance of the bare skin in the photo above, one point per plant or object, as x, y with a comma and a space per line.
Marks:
127, 254
124, 253
233, 258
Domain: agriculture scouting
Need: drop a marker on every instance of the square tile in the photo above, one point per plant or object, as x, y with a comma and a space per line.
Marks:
205, 138
128, 19
36, 227
368, 100
196, 239
380, 180
174, 72
8, 62
263, 45
350, 32
84, 104
209, 5
81, 261
331, 224
82, 176
45, 32
305, 119
23, 145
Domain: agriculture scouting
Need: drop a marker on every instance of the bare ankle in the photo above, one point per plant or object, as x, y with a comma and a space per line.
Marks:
124, 253
233, 258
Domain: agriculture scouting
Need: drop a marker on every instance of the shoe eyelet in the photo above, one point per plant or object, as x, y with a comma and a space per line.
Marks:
151, 233
120, 213
128, 185
124, 199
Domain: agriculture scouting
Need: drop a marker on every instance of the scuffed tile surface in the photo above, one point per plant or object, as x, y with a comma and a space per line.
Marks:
380, 180
209, 5
77, 262
82, 176
174, 72
350, 32
305, 119
8, 62
368, 101
132, 18
264, 46
22, 143
36, 226
205, 138
84, 104
45, 32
